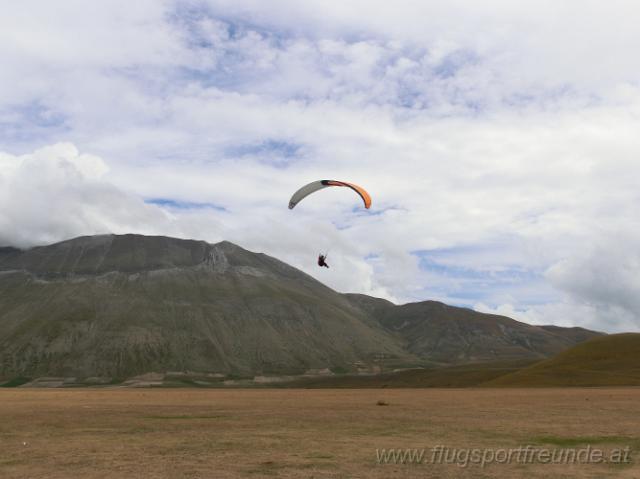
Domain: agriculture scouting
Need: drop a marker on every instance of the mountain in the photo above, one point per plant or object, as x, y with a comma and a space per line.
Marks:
117, 306
574, 335
7, 252
447, 334
612, 360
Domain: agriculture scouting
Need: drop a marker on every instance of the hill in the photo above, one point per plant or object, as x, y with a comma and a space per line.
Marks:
447, 334
604, 361
120, 306
116, 306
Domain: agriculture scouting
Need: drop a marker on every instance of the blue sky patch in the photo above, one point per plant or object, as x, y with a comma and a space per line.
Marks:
277, 153
464, 285
183, 205
30, 122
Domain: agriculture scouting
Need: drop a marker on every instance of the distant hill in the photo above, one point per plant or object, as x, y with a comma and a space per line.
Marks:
116, 306
574, 335
448, 334
604, 361
7, 252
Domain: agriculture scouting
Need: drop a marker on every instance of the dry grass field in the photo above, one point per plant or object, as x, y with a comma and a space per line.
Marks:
297, 433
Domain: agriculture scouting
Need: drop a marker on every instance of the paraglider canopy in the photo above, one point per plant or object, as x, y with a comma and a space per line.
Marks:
321, 184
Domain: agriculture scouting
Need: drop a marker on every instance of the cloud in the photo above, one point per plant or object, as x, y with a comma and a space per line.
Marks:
56, 193
569, 313
499, 142
605, 275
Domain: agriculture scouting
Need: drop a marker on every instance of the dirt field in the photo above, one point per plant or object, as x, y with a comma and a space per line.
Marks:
124, 433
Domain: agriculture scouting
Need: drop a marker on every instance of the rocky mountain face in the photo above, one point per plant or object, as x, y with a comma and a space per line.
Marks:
120, 306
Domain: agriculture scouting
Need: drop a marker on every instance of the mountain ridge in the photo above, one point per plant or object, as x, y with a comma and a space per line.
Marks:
125, 305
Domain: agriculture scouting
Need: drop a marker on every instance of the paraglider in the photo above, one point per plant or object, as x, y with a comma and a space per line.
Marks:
314, 186
321, 261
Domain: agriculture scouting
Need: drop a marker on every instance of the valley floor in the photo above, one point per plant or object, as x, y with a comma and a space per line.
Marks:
298, 433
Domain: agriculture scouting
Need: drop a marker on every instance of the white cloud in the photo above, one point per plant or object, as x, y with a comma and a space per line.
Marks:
569, 313
499, 141
56, 193
604, 275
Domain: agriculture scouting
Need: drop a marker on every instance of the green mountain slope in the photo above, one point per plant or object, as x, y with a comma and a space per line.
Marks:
124, 305
119, 306
604, 361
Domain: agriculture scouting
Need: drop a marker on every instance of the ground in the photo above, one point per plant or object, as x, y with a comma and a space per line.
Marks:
191, 433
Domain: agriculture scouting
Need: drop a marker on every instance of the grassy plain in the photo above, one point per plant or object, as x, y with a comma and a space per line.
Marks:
301, 433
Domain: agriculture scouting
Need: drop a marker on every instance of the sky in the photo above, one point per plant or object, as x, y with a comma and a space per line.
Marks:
498, 140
